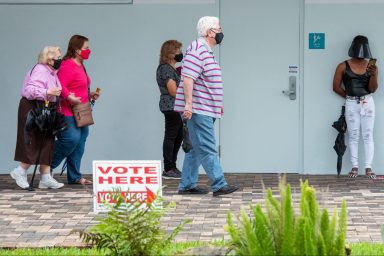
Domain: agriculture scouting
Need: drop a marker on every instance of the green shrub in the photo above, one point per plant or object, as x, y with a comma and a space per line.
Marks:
279, 231
131, 229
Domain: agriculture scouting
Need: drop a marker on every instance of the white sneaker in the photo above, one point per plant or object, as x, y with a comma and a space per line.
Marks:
50, 183
21, 180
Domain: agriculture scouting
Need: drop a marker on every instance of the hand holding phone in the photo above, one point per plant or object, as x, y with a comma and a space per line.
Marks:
371, 68
372, 62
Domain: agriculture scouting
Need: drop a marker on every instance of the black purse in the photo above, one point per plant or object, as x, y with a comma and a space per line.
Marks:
187, 144
45, 118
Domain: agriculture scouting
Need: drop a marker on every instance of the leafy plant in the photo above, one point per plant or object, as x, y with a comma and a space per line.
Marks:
131, 229
279, 231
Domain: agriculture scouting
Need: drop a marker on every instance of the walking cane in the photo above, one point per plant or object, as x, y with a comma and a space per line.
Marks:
44, 112
64, 166
37, 162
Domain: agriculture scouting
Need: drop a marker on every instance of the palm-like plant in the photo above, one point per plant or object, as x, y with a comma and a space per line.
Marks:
279, 231
130, 228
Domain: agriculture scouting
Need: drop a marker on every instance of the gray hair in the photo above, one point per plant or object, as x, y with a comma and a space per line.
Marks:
205, 23
48, 53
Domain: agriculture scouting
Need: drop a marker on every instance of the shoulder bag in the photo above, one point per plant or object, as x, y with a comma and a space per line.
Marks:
83, 112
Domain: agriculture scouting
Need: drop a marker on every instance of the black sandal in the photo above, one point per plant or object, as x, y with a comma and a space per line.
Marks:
370, 174
353, 173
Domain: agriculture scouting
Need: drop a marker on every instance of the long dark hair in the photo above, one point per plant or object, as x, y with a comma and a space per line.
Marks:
75, 43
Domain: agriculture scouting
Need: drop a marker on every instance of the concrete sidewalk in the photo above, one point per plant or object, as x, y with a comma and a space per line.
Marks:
46, 217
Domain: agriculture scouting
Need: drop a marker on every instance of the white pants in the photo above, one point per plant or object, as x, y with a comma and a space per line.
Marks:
360, 115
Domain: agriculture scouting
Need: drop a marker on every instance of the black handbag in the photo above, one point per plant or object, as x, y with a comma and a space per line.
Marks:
44, 118
187, 145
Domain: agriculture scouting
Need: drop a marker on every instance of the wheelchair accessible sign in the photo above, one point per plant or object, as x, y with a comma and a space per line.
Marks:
139, 179
316, 40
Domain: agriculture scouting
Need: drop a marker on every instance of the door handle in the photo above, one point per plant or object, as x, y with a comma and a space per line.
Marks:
291, 93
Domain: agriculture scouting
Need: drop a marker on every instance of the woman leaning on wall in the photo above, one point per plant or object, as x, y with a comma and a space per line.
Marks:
356, 80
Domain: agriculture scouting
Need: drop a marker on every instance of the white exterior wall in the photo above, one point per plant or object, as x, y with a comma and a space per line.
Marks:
125, 42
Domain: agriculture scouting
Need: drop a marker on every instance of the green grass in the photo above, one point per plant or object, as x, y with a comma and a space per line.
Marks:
173, 249
50, 251
178, 248
366, 248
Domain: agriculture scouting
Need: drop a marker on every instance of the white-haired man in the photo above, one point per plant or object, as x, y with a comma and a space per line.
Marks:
200, 98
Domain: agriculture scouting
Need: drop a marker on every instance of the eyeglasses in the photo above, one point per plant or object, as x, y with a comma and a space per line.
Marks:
218, 30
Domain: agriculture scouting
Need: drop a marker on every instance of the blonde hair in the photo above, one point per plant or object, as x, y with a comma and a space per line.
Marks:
48, 53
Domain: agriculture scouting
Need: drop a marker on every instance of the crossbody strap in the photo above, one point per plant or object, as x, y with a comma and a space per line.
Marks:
88, 83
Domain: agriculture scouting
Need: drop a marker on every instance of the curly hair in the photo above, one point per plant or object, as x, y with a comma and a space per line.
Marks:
168, 51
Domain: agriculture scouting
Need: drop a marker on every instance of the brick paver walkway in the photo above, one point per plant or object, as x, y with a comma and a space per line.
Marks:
46, 217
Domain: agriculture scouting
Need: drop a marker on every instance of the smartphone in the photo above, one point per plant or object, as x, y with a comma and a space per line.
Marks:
372, 62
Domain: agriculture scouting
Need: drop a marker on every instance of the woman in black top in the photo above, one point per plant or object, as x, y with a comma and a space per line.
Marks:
360, 81
168, 80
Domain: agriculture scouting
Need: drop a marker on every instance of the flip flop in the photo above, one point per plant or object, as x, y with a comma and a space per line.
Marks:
370, 174
83, 181
353, 173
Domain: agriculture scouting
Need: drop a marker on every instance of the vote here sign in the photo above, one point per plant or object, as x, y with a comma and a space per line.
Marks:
141, 179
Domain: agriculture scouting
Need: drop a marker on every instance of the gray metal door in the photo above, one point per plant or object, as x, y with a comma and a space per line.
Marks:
260, 56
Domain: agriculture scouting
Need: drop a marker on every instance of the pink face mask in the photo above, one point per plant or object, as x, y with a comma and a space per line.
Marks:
85, 54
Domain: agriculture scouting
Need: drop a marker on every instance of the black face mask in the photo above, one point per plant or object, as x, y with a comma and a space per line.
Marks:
56, 64
179, 57
219, 37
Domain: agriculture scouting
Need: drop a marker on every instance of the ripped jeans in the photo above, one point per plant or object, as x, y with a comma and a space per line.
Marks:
360, 115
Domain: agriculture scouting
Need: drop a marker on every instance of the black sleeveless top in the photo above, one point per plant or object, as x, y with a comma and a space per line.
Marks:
355, 84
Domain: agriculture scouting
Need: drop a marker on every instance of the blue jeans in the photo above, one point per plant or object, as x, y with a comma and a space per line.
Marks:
202, 134
70, 144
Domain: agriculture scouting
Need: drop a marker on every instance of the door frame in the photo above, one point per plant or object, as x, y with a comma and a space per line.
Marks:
301, 85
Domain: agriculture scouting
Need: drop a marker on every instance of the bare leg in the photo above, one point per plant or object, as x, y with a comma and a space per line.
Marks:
25, 166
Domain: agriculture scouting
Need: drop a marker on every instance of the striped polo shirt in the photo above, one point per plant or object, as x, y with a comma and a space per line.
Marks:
199, 64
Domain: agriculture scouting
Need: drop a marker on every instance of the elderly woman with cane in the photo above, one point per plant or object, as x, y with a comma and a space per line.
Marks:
40, 84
